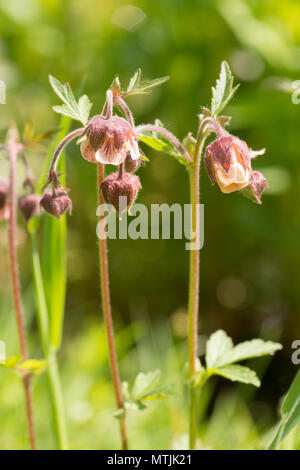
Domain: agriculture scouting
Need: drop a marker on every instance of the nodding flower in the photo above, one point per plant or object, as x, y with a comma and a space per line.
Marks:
56, 203
109, 140
116, 186
228, 162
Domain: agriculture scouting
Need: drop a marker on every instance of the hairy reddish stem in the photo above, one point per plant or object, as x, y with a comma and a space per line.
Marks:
59, 149
121, 104
194, 281
13, 149
106, 307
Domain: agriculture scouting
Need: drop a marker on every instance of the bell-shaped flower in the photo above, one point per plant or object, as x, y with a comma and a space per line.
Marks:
228, 162
109, 141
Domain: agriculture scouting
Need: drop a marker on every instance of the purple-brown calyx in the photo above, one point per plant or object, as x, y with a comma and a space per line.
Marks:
108, 140
56, 202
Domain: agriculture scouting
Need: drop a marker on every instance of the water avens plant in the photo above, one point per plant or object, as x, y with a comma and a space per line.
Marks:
108, 138
228, 162
104, 139
29, 206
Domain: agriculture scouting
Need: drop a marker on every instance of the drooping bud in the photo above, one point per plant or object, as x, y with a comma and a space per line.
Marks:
256, 187
109, 141
29, 205
56, 204
131, 165
115, 187
228, 161
4, 187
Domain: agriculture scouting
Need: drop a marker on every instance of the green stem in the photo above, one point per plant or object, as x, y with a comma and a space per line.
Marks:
57, 401
194, 278
50, 354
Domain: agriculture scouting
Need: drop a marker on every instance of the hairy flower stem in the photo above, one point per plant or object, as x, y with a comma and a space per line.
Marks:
106, 307
194, 275
193, 306
194, 279
122, 105
59, 149
13, 150
50, 354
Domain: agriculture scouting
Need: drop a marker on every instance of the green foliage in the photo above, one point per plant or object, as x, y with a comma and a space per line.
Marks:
223, 91
290, 411
237, 373
137, 86
161, 143
146, 387
221, 356
30, 366
80, 110
53, 258
259, 246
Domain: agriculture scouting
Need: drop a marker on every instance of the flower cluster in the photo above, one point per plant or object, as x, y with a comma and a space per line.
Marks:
106, 139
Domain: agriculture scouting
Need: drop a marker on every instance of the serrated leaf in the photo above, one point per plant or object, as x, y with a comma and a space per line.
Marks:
66, 111
145, 384
220, 350
237, 373
223, 91
79, 111
290, 410
249, 349
84, 106
134, 81
137, 86
65, 93
218, 344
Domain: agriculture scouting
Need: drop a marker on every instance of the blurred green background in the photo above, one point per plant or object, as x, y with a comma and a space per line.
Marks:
250, 260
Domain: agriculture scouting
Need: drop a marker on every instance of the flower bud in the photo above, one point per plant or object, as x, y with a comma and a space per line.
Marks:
228, 161
4, 188
109, 141
131, 165
256, 187
114, 187
56, 204
29, 205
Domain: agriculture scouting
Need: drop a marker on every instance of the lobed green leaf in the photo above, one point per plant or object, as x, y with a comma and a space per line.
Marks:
223, 91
